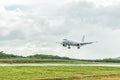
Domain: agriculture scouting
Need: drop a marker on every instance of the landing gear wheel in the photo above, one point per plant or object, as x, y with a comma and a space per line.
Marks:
78, 47
68, 47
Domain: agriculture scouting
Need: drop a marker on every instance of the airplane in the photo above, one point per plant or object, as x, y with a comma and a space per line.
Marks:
69, 43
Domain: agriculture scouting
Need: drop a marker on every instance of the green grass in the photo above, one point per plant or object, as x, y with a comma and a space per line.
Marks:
64, 73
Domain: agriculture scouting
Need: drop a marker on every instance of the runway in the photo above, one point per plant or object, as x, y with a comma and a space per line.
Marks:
107, 65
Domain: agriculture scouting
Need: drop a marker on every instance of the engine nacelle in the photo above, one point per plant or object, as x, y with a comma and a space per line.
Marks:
78, 45
64, 45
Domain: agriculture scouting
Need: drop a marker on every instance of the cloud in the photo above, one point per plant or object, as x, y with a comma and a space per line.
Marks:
86, 13
37, 26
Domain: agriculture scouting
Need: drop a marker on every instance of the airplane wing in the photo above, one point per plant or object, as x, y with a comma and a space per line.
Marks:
85, 43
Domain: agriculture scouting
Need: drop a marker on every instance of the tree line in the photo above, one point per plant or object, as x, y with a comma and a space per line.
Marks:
42, 56
36, 56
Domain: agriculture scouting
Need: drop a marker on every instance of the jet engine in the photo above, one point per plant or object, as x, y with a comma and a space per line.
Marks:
78, 46
64, 45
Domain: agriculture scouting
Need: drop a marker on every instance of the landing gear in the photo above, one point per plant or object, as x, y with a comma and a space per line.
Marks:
69, 47
78, 47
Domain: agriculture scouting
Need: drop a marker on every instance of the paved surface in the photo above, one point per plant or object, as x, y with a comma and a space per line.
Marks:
108, 65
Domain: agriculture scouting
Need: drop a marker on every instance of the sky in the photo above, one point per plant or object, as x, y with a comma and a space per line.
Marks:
34, 26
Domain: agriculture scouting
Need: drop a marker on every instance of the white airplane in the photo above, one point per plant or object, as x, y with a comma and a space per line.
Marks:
68, 43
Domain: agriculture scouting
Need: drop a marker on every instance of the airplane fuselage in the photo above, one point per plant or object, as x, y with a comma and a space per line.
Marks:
70, 43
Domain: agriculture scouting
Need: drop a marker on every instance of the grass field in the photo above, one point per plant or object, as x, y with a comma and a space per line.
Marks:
60, 73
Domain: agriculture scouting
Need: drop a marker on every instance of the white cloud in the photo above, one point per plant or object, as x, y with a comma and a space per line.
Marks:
29, 27
105, 2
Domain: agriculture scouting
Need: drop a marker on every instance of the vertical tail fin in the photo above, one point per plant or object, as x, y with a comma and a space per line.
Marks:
83, 38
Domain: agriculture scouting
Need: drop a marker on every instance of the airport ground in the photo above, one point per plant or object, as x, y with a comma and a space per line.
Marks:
59, 73
36, 69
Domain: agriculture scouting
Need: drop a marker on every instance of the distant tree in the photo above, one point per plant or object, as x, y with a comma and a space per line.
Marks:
41, 56
110, 60
8, 56
36, 56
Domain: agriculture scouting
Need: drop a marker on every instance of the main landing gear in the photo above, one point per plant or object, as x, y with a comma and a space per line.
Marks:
69, 47
78, 47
